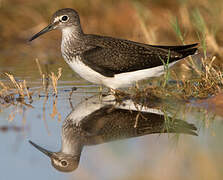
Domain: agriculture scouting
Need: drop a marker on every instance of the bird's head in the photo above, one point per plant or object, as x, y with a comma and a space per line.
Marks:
62, 19
59, 160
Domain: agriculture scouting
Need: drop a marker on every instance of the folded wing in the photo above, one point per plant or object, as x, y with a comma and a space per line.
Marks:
113, 56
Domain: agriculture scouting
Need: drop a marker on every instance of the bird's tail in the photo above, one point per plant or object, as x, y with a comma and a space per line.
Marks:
184, 50
163, 126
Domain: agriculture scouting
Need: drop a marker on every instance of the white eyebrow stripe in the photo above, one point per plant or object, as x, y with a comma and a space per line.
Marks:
57, 19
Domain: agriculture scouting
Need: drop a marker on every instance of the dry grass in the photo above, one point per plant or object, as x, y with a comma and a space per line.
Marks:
54, 79
183, 21
155, 22
17, 94
208, 82
55, 111
45, 82
187, 24
192, 23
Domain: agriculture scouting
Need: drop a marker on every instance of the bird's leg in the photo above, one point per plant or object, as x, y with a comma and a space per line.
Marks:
137, 85
100, 88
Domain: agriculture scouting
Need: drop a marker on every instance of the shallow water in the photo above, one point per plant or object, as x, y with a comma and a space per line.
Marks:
155, 156
150, 156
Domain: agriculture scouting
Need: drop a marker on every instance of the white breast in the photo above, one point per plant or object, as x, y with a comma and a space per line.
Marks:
85, 72
119, 80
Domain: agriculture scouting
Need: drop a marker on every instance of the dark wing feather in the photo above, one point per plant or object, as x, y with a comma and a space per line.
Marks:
109, 124
113, 56
176, 48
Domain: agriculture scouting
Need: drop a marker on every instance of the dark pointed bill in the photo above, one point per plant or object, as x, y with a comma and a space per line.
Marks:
48, 153
46, 29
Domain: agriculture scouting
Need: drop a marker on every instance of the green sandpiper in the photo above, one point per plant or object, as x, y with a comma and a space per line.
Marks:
110, 61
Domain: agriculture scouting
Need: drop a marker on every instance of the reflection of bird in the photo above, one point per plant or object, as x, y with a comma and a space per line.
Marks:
94, 122
110, 61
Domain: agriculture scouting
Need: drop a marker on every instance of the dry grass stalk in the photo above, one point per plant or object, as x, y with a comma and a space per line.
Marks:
3, 85
11, 116
55, 111
43, 76
55, 78
8, 94
9, 97
137, 120
26, 90
209, 82
4, 89
21, 88
39, 67
44, 83
18, 86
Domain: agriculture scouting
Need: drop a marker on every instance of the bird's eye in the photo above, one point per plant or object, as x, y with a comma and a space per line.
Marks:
63, 163
64, 18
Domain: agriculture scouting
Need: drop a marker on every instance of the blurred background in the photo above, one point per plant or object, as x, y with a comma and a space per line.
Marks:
171, 22
150, 21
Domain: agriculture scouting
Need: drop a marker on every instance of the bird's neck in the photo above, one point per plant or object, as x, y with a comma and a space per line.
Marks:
71, 142
72, 41
72, 33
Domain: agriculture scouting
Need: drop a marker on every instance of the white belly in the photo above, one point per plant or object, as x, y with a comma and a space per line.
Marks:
119, 80
85, 72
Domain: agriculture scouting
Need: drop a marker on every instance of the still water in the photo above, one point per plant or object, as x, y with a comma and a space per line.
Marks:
127, 140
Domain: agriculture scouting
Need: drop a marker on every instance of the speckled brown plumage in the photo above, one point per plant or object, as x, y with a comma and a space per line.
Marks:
111, 56
92, 123
109, 124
